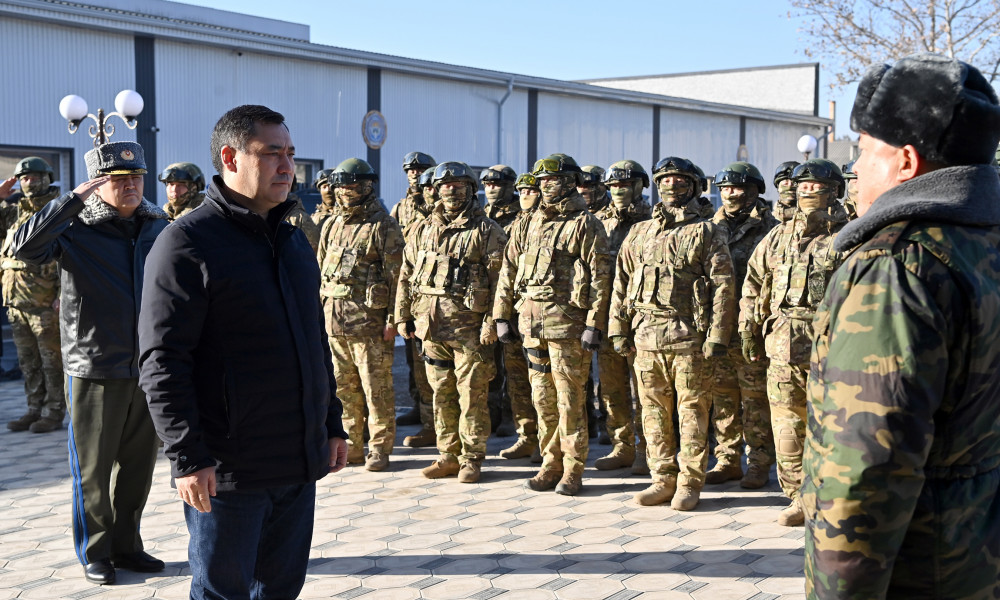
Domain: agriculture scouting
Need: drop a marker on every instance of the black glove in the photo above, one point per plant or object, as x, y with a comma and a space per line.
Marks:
591, 339
505, 333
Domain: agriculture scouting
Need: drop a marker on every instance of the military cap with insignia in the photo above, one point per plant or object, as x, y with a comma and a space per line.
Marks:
115, 158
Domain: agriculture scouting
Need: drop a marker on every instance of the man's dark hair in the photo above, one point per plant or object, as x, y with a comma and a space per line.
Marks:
237, 126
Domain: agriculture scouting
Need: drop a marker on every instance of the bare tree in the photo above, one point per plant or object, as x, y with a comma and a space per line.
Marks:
852, 34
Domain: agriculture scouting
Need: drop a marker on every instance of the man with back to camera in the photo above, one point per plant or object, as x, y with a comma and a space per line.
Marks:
101, 233
901, 461
237, 368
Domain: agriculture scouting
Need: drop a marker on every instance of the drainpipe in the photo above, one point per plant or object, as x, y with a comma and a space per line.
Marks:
510, 90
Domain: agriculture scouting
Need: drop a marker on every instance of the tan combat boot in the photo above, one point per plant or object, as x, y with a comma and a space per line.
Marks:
469, 473
426, 437
757, 477
376, 461
355, 457
522, 448
570, 484
686, 498
723, 472
639, 466
442, 467
657, 493
792, 516
24, 422
619, 458
546, 479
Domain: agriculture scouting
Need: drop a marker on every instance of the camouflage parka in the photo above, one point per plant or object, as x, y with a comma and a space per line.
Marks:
556, 272
617, 223
449, 275
300, 218
26, 287
410, 210
673, 287
786, 278
901, 486
188, 203
504, 213
360, 253
322, 213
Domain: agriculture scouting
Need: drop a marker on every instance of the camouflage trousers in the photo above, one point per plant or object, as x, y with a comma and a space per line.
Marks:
519, 391
36, 337
420, 390
786, 392
460, 377
668, 382
363, 367
616, 393
558, 370
740, 409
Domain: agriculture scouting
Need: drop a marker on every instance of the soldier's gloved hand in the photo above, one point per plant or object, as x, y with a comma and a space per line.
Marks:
713, 349
750, 347
487, 333
591, 338
406, 329
621, 344
505, 333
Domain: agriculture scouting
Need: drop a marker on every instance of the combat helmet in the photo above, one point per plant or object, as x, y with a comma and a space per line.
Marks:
558, 164
626, 170
784, 171
351, 171
848, 170
454, 171
675, 165
34, 164
822, 170
526, 180
501, 173
740, 173
426, 177
593, 174
322, 177
418, 160
184, 171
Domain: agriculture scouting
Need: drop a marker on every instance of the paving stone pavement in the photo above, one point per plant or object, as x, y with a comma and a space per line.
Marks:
395, 535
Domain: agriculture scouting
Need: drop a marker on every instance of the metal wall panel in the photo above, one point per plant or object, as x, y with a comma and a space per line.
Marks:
58, 61
771, 143
323, 104
594, 132
450, 120
710, 141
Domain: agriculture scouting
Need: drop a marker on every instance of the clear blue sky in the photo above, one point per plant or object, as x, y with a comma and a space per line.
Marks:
584, 39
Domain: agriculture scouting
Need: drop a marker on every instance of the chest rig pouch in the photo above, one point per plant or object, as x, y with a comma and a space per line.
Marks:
438, 274
348, 274
549, 272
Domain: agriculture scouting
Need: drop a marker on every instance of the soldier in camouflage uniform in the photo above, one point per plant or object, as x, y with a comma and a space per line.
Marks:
30, 294
360, 253
445, 292
555, 277
625, 179
786, 278
413, 208
328, 201
185, 184
850, 196
901, 483
301, 219
740, 411
593, 189
673, 304
784, 208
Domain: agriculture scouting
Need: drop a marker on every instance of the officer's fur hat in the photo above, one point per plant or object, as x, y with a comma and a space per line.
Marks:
115, 158
943, 107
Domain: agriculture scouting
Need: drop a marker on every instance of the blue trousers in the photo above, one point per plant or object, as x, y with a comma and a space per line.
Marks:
254, 544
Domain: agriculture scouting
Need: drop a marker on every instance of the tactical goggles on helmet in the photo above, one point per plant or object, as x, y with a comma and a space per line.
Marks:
451, 170
494, 175
526, 180
734, 178
553, 165
620, 174
346, 178
176, 174
817, 170
416, 160
591, 178
673, 163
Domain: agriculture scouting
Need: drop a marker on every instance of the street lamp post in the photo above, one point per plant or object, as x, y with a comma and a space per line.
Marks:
128, 105
807, 145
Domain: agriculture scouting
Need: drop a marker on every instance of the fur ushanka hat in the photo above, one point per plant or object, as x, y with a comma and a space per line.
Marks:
945, 108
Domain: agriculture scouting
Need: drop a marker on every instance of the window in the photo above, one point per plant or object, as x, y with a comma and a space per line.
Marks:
61, 160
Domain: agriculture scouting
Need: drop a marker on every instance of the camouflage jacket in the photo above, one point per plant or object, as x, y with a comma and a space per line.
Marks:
673, 286
322, 213
556, 272
26, 287
599, 203
786, 278
300, 218
192, 202
449, 275
743, 238
504, 214
617, 223
360, 253
410, 210
902, 458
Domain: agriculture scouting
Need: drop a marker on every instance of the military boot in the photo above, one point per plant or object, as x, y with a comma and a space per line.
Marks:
376, 461
469, 473
570, 484
603, 438
657, 493
639, 466
723, 472
792, 516
545, 480
442, 467
424, 438
522, 448
355, 455
24, 422
757, 477
536, 456
411, 416
45, 425
686, 498
620, 457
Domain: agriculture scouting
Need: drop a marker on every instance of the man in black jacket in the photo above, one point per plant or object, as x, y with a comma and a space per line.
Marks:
237, 369
101, 233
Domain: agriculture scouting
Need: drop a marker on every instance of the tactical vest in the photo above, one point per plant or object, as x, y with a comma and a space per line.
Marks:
549, 270
798, 286
349, 271
447, 274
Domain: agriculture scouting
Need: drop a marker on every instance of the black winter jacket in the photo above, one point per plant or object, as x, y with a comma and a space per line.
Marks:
234, 357
101, 270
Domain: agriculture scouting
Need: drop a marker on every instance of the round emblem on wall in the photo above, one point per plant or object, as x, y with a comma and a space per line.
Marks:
373, 129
